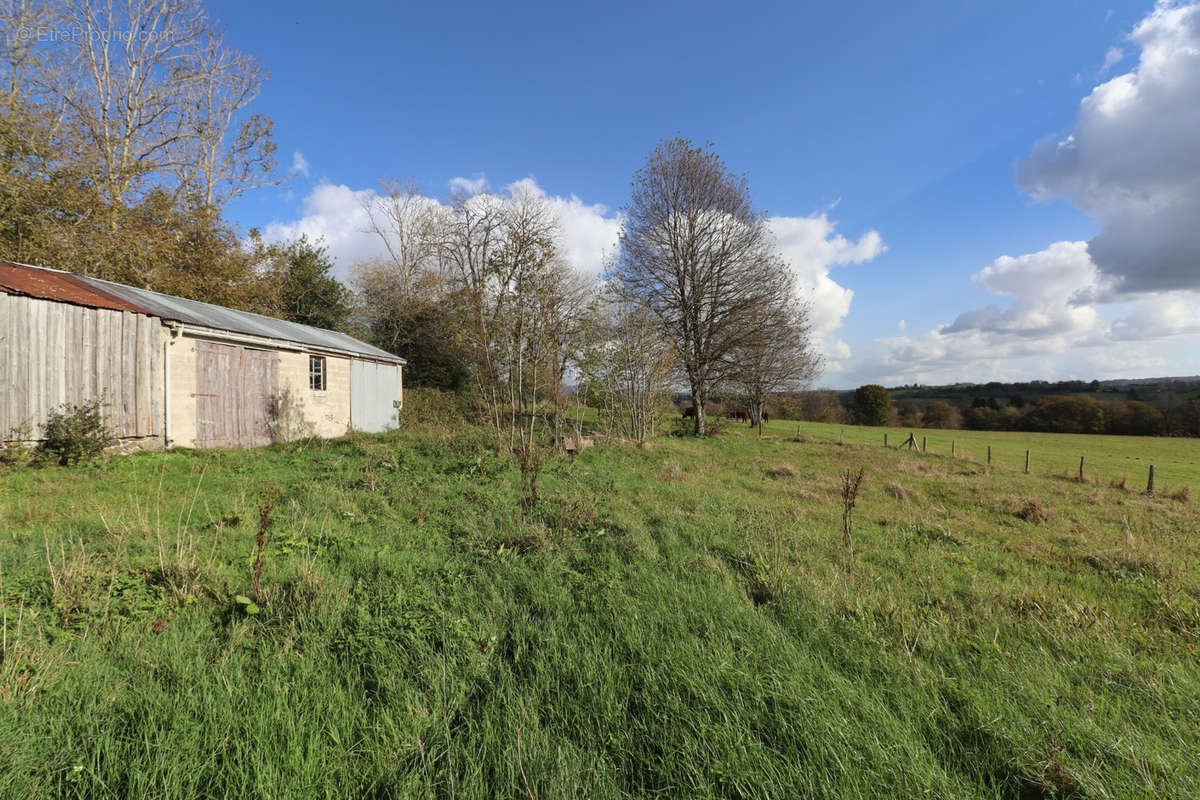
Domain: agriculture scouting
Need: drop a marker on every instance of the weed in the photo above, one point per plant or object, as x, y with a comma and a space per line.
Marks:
851, 481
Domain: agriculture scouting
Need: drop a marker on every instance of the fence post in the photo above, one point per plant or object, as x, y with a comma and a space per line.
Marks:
843, 437
885, 444
1081, 469
1150, 482
989, 455
924, 443
952, 448
1026, 462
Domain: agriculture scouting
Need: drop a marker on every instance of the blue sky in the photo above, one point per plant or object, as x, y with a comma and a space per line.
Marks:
902, 130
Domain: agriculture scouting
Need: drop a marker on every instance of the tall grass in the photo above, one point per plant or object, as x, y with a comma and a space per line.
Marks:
673, 621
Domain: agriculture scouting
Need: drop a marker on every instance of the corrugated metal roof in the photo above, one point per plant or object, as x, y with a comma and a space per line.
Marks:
208, 315
51, 284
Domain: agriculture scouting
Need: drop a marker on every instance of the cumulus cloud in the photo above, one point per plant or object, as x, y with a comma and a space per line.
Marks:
1133, 160
1044, 287
336, 214
813, 247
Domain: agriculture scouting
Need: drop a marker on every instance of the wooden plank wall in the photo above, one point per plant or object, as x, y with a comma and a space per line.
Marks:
56, 353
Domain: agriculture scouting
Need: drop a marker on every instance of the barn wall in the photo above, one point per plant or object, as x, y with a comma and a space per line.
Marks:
328, 411
54, 353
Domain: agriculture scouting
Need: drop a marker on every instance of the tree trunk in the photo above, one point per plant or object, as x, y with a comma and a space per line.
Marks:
699, 400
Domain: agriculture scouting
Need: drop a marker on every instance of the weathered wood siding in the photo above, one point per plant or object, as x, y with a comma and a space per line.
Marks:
236, 389
55, 353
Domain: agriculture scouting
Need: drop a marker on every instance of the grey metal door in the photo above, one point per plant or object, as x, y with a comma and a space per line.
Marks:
374, 388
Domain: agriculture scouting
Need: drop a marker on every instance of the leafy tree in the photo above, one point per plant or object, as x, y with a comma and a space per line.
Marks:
940, 414
872, 404
304, 291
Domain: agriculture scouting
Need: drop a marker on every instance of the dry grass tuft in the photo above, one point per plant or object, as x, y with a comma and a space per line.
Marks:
1183, 494
784, 470
671, 471
1033, 512
1118, 482
897, 491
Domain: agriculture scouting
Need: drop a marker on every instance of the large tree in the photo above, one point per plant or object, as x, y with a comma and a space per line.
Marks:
698, 255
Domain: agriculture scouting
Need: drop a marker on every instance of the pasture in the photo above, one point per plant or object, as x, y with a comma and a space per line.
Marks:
1176, 460
680, 620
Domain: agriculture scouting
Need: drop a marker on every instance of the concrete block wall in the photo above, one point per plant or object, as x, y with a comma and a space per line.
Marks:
327, 411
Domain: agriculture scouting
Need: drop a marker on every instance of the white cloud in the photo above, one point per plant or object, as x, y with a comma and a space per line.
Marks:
334, 213
813, 248
1133, 160
1115, 303
468, 186
1114, 56
1044, 287
299, 164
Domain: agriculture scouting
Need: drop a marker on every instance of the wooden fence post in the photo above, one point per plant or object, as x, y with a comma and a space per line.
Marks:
1150, 482
885, 444
989, 455
924, 444
843, 437
1081, 469
1026, 462
952, 448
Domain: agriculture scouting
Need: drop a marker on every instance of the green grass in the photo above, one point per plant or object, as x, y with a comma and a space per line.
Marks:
676, 621
1176, 460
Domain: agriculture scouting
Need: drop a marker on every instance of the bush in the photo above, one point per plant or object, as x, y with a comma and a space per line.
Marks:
74, 434
437, 407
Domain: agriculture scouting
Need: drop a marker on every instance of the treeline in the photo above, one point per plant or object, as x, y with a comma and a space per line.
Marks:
1080, 413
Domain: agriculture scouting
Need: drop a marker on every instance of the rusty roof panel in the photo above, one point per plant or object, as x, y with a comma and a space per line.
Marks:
51, 284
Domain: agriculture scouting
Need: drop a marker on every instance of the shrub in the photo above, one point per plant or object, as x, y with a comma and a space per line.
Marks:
434, 406
73, 434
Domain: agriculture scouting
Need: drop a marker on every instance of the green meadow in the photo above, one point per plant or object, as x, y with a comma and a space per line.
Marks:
372, 617
1106, 458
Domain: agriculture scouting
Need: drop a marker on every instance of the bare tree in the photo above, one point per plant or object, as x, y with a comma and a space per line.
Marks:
699, 256
777, 356
627, 367
221, 155
405, 221
154, 98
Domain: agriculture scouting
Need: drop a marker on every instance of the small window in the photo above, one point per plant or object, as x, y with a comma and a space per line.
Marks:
316, 373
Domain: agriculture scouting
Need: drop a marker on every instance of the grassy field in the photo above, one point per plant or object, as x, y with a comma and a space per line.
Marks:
680, 620
1176, 460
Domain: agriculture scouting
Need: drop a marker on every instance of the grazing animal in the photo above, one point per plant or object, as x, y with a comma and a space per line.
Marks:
742, 415
690, 411
766, 417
